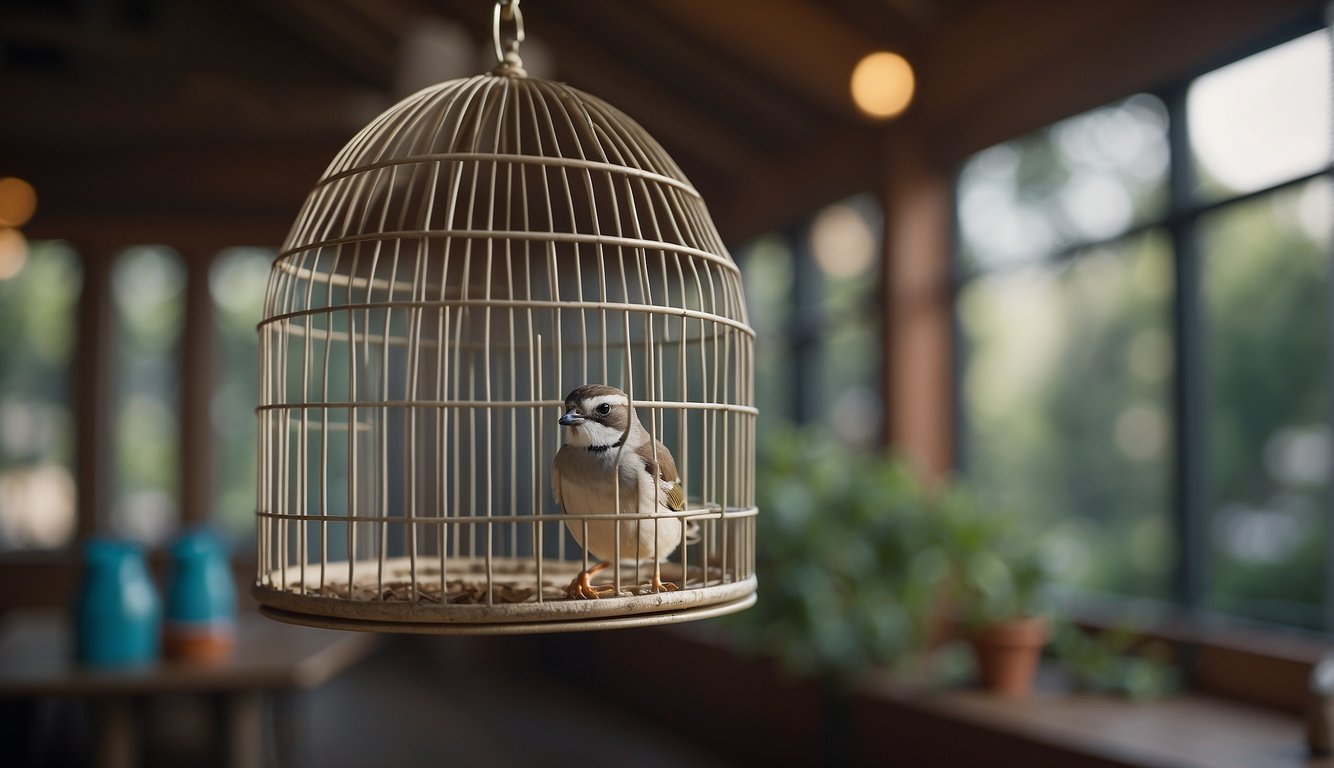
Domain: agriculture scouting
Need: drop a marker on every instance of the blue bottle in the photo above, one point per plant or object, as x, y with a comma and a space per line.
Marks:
118, 614
201, 600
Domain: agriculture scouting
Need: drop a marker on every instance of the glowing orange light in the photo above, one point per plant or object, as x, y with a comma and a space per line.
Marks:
882, 84
18, 200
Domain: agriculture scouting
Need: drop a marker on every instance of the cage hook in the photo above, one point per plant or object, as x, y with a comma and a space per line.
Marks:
507, 52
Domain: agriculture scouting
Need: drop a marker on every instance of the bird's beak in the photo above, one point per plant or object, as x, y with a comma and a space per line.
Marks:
571, 419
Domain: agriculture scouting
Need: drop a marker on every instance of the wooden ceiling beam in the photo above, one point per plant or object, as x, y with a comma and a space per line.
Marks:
997, 43
678, 124
153, 182
796, 42
989, 77
923, 13
778, 191
881, 22
661, 52
390, 18
334, 30
76, 116
89, 43
196, 234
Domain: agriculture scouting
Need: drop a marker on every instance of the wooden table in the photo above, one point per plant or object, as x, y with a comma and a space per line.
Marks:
270, 660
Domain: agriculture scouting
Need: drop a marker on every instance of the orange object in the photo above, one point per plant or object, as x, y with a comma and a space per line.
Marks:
1007, 654
198, 645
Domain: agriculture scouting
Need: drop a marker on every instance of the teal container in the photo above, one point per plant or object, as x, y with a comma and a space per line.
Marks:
117, 612
201, 599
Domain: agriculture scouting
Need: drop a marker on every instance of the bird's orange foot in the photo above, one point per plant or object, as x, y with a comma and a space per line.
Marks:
582, 588
658, 585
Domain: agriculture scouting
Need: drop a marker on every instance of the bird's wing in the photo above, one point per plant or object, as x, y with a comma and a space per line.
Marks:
665, 470
555, 479
676, 497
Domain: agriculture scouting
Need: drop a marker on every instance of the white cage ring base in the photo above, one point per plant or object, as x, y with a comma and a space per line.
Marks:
516, 601
671, 616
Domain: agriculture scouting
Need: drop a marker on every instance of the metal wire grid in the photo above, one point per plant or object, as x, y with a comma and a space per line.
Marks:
469, 257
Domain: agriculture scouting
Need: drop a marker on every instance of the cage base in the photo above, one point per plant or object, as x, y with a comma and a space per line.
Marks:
511, 628
513, 593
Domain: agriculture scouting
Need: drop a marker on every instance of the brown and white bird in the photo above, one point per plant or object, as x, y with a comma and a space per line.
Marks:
607, 451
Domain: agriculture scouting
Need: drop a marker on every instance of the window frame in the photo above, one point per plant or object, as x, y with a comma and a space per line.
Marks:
809, 322
1184, 617
94, 371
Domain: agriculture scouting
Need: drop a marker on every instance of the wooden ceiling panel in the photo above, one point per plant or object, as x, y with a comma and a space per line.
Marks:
798, 43
666, 59
891, 27
988, 76
749, 96
700, 142
337, 30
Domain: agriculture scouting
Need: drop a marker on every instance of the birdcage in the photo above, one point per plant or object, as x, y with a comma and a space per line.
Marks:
472, 255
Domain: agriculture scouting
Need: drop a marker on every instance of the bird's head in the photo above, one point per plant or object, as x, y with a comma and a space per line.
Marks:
595, 414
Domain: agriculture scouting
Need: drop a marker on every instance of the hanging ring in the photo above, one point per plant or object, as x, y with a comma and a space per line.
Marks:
509, 11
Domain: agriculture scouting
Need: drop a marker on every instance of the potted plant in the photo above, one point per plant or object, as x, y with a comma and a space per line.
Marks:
997, 579
1116, 661
849, 564
849, 573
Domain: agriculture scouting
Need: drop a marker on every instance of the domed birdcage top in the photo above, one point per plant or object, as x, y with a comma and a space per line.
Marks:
478, 251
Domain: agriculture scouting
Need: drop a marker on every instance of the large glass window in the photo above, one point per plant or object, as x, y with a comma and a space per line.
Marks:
1266, 297
1068, 390
40, 284
1263, 120
767, 273
237, 283
1099, 255
148, 295
812, 295
845, 245
1084, 179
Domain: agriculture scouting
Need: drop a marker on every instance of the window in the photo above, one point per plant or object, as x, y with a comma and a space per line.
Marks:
767, 274
148, 297
812, 298
1091, 461
1265, 295
133, 437
40, 284
237, 281
845, 246
1144, 323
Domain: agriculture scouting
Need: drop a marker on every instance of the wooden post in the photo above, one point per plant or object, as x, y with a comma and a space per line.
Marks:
92, 390
918, 336
196, 358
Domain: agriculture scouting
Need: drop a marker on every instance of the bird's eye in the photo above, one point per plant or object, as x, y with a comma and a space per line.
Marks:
604, 409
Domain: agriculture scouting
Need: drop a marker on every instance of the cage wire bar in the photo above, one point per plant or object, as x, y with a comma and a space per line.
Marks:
473, 254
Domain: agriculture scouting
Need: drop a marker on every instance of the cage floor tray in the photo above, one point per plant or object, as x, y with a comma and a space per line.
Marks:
520, 598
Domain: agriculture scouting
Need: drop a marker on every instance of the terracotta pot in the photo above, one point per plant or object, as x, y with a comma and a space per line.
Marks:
1007, 654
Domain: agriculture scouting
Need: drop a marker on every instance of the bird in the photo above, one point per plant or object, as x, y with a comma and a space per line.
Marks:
605, 449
